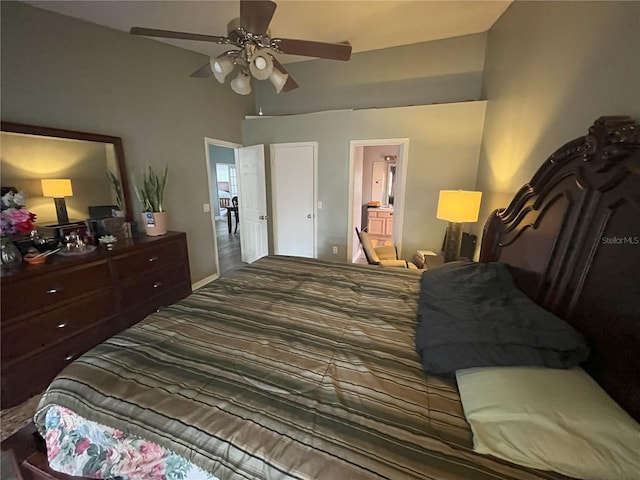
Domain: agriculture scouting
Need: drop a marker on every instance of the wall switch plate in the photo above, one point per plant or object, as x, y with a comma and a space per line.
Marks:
335, 250
206, 207
319, 204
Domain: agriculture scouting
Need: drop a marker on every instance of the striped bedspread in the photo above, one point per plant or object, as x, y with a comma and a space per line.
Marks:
290, 368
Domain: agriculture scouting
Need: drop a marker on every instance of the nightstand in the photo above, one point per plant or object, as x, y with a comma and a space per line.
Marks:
426, 259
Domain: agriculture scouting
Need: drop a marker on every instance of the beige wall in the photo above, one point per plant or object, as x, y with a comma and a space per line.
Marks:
432, 72
551, 69
61, 72
444, 146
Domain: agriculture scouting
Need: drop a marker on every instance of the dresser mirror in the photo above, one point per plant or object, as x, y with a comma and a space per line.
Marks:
30, 154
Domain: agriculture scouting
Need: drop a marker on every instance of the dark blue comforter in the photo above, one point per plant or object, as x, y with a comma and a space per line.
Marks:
473, 315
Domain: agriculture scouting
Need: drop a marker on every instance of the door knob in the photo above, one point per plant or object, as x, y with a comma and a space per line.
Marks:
309, 216
264, 217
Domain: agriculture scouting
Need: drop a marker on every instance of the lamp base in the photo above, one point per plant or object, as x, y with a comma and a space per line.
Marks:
61, 211
453, 242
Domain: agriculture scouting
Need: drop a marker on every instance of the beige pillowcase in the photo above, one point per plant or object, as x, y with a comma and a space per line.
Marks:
550, 419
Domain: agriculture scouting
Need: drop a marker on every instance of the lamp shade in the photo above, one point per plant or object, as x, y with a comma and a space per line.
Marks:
261, 65
459, 206
221, 67
278, 79
56, 187
242, 83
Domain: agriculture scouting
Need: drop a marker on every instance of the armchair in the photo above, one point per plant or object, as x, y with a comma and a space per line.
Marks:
386, 256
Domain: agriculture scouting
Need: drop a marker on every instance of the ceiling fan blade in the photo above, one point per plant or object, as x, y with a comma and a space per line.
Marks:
291, 84
153, 32
256, 15
333, 51
203, 72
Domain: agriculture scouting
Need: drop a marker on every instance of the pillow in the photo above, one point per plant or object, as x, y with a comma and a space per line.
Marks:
473, 315
550, 419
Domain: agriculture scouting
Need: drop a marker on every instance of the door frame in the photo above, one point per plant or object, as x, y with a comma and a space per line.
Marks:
274, 191
218, 143
399, 197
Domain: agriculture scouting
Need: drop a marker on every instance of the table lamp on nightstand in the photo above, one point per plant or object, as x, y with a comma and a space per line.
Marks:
58, 188
457, 207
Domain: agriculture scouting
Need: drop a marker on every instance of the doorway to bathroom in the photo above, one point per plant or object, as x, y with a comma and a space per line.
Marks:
377, 172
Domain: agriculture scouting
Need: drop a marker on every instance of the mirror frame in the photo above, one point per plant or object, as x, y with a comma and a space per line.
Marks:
75, 135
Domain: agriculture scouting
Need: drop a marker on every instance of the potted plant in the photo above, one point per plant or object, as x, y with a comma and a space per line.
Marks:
117, 189
150, 193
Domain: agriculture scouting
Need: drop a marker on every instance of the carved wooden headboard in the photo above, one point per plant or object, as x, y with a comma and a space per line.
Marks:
572, 240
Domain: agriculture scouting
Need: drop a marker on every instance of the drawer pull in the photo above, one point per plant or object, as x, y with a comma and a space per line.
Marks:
53, 291
69, 357
157, 284
62, 325
153, 258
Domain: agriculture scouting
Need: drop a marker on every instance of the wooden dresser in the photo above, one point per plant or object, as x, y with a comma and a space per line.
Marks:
54, 312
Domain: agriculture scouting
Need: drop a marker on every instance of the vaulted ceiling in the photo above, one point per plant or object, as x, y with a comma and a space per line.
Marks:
367, 25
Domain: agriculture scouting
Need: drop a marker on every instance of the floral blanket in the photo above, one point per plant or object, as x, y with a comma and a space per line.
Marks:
80, 447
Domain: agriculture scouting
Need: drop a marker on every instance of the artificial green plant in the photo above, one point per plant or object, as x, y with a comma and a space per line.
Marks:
117, 188
151, 191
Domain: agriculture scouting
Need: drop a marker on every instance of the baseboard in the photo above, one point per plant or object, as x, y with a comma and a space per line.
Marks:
204, 281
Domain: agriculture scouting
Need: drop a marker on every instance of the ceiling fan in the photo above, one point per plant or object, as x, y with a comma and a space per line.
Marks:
254, 50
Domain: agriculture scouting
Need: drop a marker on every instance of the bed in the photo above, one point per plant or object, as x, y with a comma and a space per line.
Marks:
306, 369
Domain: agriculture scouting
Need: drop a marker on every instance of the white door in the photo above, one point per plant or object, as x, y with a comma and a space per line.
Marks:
293, 194
252, 203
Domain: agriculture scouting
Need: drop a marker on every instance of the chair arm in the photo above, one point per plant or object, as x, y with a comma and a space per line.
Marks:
393, 263
386, 253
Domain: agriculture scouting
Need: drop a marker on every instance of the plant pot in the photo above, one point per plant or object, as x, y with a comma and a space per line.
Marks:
155, 223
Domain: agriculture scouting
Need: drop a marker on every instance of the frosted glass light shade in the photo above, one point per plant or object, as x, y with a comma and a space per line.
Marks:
221, 67
459, 206
242, 83
261, 65
278, 79
56, 187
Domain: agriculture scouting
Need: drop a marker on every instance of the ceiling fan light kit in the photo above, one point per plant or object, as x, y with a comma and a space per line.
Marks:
261, 65
256, 50
242, 83
221, 67
278, 79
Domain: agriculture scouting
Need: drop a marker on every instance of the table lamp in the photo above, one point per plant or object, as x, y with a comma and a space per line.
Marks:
58, 188
457, 207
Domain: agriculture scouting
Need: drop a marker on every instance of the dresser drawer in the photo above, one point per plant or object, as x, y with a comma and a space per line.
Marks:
52, 288
149, 260
32, 375
40, 332
153, 285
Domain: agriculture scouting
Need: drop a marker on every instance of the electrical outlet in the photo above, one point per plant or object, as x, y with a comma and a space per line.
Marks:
206, 207
335, 250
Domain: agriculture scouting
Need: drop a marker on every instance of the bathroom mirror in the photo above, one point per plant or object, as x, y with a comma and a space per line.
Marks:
32, 153
391, 183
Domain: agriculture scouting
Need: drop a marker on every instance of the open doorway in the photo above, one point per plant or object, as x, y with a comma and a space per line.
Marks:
221, 158
377, 173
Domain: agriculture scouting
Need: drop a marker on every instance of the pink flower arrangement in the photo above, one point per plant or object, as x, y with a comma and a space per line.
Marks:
14, 217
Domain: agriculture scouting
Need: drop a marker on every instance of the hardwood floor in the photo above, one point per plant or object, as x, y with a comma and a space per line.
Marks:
228, 248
